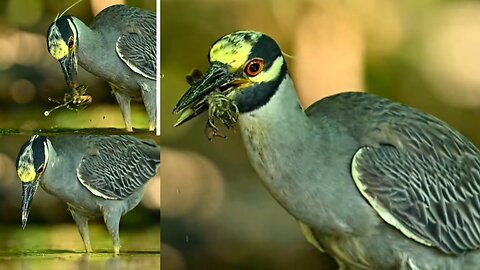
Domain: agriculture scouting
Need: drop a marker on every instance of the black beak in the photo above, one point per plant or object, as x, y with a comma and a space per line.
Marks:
217, 77
69, 67
28, 191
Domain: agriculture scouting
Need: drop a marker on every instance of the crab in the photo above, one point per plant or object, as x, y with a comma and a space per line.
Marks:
76, 100
219, 105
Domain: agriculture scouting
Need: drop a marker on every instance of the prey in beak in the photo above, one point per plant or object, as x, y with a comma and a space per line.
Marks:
62, 42
212, 91
69, 68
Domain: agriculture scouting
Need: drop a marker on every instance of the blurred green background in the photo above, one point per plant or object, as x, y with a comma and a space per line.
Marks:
29, 75
216, 214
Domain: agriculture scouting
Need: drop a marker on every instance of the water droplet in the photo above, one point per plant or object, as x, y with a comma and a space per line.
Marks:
46, 113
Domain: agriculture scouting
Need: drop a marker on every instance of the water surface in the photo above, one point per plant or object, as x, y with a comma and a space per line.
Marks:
53, 247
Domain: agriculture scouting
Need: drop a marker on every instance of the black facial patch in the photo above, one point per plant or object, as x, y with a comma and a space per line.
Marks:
267, 49
256, 96
38, 149
64, 27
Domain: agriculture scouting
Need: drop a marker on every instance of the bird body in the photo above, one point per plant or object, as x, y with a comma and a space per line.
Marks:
66, 185
331, 142
375, 184
102, 29
94, 175
119, 46
90, 54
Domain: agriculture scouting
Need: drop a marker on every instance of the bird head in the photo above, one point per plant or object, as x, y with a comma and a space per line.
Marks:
62, 41
31, 163
246, 66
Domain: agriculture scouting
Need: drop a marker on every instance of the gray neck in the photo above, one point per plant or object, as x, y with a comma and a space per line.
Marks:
297, 160
52, 163
270, 140
91, 50
275, 123
283, 110
57, 178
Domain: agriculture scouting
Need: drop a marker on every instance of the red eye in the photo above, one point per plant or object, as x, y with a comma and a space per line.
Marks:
70, 42
254, 67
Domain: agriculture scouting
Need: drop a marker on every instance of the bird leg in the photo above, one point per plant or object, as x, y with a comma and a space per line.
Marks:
149, 97
124, 103
112, 221
82, 224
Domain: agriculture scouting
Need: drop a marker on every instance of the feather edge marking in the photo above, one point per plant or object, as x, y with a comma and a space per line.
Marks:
381, 211
309, 236
130, 65
92, 190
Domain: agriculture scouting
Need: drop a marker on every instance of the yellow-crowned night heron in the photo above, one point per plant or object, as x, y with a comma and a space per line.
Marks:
376, 184
119, 46
95, 176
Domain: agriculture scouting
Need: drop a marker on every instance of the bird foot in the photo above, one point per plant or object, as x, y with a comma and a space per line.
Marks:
88, 248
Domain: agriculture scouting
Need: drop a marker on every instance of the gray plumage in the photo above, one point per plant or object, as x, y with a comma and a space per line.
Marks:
120, 47
131, 171
134, 33
420, 170
95, 176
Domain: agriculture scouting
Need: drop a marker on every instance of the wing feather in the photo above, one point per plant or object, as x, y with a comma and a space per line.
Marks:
136, 44
427, 185
420, 175
116, 166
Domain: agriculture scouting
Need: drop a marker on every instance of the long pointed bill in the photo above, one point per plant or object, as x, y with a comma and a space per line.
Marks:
28, 191
192, 103
69, 68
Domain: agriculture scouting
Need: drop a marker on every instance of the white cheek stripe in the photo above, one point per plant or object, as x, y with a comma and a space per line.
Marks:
271, 73
74, 29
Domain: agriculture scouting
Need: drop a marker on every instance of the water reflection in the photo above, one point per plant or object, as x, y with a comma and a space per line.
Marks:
26, 249
88, 262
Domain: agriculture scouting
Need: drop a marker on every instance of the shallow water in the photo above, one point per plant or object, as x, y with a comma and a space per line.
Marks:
69, 131
60, 247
